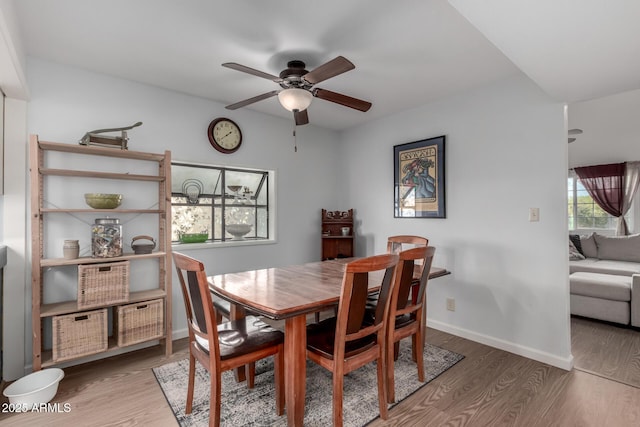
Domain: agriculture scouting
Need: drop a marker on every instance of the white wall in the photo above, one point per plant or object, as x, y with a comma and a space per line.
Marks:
15, 302
66, 102
506, 151
13, 202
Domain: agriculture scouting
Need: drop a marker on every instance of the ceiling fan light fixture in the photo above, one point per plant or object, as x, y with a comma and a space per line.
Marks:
295, 99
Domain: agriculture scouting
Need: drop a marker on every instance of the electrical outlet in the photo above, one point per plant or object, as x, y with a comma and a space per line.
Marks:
451, 304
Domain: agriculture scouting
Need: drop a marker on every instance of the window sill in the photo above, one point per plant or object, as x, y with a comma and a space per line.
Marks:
213, 245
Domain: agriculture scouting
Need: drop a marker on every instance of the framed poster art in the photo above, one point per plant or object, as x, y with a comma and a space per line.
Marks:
419, 180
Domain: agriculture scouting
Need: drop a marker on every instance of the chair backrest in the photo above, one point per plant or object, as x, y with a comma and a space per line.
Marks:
397, 244
404, 280
350, 323
201, 317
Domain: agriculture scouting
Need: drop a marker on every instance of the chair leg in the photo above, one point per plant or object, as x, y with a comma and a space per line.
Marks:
417, 341
215, 397
419, 353
278, 373
338, 386
382, 390
396, 350
389, 366
192, 377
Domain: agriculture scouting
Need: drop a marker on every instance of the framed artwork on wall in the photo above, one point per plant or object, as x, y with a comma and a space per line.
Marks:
419, 179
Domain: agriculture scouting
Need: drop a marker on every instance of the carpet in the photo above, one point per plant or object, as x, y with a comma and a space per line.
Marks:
256, 407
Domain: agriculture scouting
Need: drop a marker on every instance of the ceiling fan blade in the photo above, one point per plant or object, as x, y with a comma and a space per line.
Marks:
341, 99
301, 117
252, 71
329, 69
252, 100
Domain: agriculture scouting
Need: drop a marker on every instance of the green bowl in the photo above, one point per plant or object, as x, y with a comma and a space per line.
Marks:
194, 237
103, 200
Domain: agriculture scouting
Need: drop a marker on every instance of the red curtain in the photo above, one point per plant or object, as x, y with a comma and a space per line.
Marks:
605, 185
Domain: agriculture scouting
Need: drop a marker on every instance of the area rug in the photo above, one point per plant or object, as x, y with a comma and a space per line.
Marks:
243, 407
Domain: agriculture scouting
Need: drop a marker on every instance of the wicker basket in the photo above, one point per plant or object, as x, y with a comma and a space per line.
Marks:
103, 284
79, 334
140, 322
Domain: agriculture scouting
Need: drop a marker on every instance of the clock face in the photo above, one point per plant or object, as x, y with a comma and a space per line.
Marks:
224, 135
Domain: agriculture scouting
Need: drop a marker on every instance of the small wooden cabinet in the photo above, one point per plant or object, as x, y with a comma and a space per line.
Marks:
338, 235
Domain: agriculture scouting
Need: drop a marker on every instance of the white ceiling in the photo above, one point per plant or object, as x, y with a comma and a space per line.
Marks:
610, 130
407, 55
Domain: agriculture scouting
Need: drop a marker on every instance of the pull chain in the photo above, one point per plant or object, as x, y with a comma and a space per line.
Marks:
295, 140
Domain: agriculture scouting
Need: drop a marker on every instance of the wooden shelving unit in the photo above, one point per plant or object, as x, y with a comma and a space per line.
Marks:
334, 243
41, 310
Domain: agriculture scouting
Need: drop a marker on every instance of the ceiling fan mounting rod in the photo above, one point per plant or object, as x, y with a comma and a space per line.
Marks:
293, 83
293, 76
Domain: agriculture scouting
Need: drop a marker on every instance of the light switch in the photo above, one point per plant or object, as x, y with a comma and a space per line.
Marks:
534, 214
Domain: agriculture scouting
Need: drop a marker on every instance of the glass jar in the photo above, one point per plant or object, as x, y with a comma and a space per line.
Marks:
106, 238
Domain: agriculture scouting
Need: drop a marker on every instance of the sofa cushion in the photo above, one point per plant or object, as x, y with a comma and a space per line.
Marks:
620, 248
587, 264
602, 309
594, 265
605, 286
589, 248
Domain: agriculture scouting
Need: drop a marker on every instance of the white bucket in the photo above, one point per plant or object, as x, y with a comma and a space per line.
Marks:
35, 388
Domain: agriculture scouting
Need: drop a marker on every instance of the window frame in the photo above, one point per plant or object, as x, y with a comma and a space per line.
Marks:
611, 220
218, 208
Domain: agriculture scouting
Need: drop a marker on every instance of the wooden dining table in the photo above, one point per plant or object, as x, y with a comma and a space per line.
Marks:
289, 294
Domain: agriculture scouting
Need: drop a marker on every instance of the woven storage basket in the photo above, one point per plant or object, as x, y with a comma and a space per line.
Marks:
103, 284
79, 334
140, 322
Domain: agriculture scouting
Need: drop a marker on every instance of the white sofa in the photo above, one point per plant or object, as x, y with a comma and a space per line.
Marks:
605, 279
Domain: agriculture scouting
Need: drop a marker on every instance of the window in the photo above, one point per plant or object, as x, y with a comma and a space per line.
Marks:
584, 213
218, 204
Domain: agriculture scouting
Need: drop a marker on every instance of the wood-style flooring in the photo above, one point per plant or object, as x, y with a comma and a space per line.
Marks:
606, 349
488, 388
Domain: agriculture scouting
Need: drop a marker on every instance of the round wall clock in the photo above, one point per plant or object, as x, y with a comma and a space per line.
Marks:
224, 135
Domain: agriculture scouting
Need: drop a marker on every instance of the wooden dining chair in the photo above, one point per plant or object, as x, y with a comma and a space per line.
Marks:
344, 343
397, 244
225, 346
406, 315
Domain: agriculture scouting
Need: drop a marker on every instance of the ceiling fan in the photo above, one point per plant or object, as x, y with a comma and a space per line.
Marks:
573, 132
298, 87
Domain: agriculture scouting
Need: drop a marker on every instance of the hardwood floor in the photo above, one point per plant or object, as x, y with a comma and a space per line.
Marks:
489, 387
606, 349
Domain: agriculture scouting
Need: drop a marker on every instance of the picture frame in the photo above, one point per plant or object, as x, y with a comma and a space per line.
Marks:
419, 179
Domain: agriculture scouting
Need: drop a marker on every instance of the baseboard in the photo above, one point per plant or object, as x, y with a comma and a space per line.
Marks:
179, 334
530, 353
